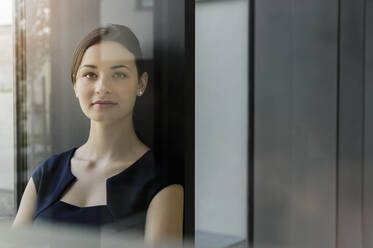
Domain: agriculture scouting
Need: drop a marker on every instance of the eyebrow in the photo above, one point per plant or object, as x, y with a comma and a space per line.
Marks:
112, 67
119, 66
90, 66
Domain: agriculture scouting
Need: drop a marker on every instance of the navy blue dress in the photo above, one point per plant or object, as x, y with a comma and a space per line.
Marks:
129, 193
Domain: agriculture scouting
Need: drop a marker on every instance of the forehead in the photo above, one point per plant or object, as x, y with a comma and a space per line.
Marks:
107, 52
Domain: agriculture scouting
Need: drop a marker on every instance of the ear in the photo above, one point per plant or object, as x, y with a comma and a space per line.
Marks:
143, 82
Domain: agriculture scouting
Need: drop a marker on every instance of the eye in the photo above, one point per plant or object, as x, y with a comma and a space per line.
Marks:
119, 75
90, 75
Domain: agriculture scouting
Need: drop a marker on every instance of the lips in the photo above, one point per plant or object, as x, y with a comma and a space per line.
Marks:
104, 102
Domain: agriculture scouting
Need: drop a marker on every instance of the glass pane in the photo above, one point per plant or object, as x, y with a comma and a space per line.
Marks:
6, 113
38, 81
57, 121
221, 121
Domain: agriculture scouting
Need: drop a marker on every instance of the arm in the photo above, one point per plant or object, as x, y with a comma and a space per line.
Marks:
26, 209
164, 218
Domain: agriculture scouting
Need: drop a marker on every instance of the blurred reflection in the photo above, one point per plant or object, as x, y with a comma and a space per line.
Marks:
6, 113
72, 236
38, 80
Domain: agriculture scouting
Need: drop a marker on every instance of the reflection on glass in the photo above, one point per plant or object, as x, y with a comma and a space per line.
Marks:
112, 181
6, 113
38, 80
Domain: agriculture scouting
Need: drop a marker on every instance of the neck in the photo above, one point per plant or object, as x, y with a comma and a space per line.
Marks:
112, 141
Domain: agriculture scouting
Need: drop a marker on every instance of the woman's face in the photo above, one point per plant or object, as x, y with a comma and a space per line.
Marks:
108, 73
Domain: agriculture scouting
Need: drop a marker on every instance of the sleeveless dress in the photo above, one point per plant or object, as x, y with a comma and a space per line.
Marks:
128, 193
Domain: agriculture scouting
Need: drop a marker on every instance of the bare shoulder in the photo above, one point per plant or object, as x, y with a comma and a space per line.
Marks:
172, 194
27, 205
164, 219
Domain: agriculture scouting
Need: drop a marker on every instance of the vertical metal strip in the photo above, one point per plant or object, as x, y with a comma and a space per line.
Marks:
363, 126
350, 143
337, 126
20, 99
251, 121
189, 124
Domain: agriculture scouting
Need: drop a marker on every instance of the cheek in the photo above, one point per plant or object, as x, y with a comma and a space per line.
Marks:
129, 91
83, 91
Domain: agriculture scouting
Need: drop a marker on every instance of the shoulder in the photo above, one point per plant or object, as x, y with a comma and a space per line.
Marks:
164, 217
50, 166
170, 198
169, 184
168, 194
54, 160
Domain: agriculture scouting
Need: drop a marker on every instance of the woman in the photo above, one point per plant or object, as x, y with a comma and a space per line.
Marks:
113, 178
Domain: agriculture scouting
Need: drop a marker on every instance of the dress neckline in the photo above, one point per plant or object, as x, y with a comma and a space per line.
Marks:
77, 207
72, 152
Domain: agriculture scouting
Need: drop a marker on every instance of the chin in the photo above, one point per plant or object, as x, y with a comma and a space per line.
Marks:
104, 119
107, 119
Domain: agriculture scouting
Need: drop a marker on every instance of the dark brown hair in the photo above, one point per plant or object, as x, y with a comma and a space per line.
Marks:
112, 32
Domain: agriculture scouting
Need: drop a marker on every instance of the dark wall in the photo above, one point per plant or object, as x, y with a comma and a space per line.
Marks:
296, 58
174, 95
312, 121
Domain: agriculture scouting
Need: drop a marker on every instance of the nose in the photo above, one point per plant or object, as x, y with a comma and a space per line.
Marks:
102, 87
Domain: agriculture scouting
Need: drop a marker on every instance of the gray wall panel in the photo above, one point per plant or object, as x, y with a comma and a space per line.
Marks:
295, 123
350, 133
